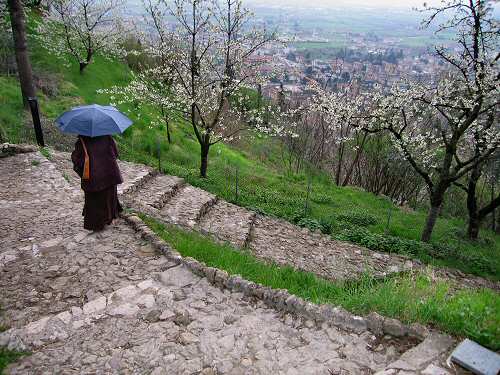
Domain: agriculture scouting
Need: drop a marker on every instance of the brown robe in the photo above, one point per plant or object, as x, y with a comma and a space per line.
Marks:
101, 199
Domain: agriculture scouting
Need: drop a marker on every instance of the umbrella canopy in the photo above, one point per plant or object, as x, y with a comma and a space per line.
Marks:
93, 120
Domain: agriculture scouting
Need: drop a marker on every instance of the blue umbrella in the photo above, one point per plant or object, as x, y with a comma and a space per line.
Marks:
93, 120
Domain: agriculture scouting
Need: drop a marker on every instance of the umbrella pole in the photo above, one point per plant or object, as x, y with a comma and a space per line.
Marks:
35, 113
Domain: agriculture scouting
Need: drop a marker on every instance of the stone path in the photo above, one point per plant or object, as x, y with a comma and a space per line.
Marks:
110, 303
170, 200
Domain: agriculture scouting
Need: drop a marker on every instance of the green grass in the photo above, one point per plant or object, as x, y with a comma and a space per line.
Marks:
46, 153
410, 298
11, 110
265, 184
7, 357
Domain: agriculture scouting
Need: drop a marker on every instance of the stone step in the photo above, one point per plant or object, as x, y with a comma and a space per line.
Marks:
158, 191
188, 206
228, 222
178, 323
134, 176
284, 243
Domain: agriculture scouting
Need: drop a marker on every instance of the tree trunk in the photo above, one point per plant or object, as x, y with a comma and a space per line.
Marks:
84, 64
493, 213
430, 222
347, 178
473, 228
22, 57
204, 160
437, 197
339, 165
474, 220
498, 225
168, 130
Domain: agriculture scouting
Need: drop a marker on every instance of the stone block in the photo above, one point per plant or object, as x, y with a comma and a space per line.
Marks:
178, 277
375, 323
127, 293
95, 306
64, 317
394, 328
124, 310
418, 331
476, 358
146, 301
427, 351
434, 370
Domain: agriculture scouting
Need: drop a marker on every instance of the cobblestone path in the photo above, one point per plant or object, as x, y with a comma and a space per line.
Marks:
109, 303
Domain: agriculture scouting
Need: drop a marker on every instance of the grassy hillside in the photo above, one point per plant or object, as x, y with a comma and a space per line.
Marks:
263, 183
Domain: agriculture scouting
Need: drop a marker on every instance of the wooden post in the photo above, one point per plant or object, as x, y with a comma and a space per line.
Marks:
158, 153
35, 114
236, 184
387, 225
306, 205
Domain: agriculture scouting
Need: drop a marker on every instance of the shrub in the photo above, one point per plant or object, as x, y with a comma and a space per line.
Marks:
379, 242
416, 249
311, 224
359, 218
327, 225
322, 199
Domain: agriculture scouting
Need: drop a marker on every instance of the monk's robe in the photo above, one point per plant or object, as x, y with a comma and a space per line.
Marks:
101, 199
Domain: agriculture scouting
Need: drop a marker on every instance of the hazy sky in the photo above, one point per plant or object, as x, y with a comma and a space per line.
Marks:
353, 3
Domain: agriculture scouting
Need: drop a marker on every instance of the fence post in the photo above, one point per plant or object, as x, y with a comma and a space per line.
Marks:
306, 204
35, 114
158, 153
237, 183
389, 215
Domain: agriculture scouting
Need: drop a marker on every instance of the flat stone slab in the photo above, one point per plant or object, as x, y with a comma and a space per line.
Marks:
187, 206
228, 222
160, 328
476, 358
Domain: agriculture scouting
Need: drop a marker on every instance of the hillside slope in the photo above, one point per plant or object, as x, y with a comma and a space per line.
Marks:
251, 174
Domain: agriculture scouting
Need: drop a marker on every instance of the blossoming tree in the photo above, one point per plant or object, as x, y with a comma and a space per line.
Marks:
151, 87
81, 29
341, 112
441, 129
212, 65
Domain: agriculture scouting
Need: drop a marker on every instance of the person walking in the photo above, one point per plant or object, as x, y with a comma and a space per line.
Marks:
95, 161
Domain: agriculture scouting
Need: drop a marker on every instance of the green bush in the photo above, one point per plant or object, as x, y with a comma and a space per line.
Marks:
327, 225
359, 218
379, 242
311, 224
421, 250
322, 199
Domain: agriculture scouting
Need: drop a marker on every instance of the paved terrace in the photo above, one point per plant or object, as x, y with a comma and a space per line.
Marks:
113, 303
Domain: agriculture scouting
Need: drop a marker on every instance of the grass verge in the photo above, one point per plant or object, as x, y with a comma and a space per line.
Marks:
265, 183
410, 298
7, 357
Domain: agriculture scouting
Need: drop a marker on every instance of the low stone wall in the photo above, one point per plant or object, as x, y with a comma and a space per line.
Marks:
8, 149
281, 299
